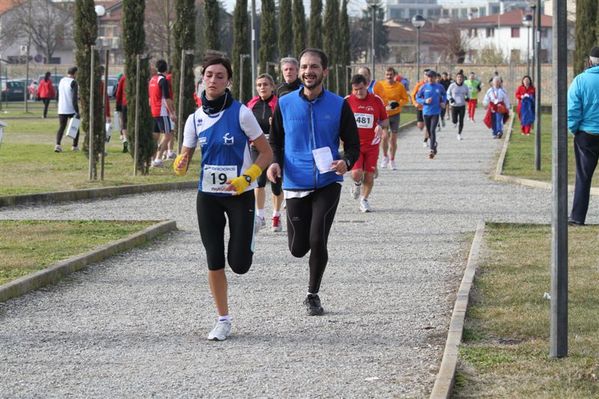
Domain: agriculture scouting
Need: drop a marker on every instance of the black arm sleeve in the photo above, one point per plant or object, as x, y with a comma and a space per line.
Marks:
165, 88
75, 89
348, 132
277, 137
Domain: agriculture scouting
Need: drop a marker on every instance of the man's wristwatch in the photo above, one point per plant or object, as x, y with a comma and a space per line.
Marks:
247, 179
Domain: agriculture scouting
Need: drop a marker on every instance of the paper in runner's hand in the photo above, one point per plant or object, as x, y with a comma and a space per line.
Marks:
323, 158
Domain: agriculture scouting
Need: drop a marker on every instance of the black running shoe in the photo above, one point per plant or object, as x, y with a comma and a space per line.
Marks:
125, 147
313, 305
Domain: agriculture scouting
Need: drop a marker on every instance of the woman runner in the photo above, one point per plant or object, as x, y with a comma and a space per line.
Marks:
223, 128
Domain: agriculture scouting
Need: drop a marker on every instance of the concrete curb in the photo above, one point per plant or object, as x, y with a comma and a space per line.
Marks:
446, 377
500, 177
91, 193
54, 273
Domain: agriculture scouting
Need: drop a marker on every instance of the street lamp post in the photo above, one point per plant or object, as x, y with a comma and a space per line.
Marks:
527, 21
418, 22
538, 88
373, 5
533, 7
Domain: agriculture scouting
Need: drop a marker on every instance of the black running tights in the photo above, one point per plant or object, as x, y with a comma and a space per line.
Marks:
431, 122
309, 221
457, 116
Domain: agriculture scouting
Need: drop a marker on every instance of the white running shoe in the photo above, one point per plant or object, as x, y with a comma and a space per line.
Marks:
355, 190
392, 165
364, 205
384, 162
425, 143
259, 223
157, 163
221, 330
171, 155
459, 137
57, 148
74, 148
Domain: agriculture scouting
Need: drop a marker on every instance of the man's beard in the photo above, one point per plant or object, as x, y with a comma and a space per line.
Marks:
315, 83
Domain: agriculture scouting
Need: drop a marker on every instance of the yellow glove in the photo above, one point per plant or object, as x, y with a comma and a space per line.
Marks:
242, 182
180, 165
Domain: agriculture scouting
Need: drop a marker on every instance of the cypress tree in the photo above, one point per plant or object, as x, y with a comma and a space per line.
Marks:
315, 29
241, 45
212, 26
268, 35
184, 32
299, 27
344, 51
133, 44
285, 28
331, 41
586, 36
85, 34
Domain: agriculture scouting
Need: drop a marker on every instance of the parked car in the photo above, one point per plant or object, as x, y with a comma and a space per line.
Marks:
111, 87
12, 89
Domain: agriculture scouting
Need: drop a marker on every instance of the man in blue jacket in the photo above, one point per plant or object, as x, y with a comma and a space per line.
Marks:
307, 127
583, 122
433, 98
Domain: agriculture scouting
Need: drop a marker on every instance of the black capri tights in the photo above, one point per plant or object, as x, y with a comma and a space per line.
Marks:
309, 221
239, 209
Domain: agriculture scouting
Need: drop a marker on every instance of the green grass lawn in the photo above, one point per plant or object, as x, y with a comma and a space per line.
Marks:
29, 246
520, 157
28, 163
505, 353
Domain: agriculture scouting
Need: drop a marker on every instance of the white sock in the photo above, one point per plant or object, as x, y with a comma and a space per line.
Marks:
224, 318
276, 213
260, 212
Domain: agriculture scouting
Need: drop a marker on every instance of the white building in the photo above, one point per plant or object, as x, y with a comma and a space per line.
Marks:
404, 10
506, 34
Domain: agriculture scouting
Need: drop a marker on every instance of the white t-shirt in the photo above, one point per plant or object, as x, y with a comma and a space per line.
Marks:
65, 96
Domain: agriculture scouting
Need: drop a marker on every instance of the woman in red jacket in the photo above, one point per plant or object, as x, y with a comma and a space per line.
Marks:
45, 92
525, 94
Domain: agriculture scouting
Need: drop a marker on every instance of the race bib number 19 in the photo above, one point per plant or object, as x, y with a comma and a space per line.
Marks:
364, 121
215, 177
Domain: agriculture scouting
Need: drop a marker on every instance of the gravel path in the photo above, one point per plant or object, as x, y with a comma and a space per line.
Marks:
135, 325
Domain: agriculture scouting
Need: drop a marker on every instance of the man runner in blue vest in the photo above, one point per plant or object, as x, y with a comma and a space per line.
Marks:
306, 128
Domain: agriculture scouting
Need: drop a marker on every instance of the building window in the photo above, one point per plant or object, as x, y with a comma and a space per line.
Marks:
515, 31
490, 32
544, 33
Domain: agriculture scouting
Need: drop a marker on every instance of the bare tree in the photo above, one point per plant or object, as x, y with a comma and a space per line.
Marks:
160, 22
44, 24
456, 44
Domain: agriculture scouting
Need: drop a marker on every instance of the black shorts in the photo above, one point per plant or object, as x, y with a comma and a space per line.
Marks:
162, 124
419, 116
262, 179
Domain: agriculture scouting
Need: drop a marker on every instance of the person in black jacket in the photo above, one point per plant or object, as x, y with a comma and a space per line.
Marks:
290, 69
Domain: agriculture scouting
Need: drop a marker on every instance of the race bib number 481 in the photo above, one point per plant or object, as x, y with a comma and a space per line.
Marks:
215, 177
364, 121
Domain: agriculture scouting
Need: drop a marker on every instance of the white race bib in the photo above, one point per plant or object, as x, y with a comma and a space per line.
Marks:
215, 177
364, 121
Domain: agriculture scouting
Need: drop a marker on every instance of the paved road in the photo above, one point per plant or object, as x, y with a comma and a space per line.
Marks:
135, 325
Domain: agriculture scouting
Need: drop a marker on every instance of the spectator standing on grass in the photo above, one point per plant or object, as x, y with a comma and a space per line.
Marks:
525, 94
68, 107
163, 111
583, 122
46, 92
497, 103
121, 106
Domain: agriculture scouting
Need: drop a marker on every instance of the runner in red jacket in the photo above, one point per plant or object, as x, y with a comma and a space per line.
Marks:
46, 92
121, 106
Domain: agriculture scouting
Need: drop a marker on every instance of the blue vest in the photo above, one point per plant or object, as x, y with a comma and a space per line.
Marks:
309, 125
223, 143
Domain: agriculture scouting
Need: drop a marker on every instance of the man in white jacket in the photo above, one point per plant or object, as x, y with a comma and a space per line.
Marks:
68, 106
